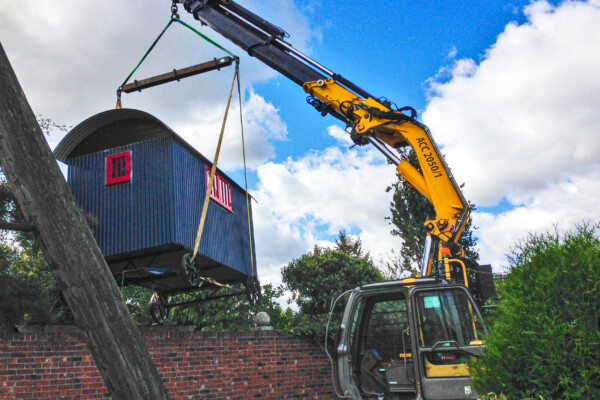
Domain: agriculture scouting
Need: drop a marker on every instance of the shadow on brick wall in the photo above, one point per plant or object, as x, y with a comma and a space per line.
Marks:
54, 362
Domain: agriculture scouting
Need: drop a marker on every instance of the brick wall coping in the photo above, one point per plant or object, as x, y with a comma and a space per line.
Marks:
73, 329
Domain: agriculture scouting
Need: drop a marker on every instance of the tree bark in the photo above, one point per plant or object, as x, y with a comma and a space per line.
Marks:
70, 248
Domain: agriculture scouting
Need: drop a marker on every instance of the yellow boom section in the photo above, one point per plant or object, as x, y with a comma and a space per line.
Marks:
371, 118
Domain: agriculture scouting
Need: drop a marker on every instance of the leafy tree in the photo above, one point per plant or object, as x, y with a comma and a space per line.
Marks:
318, 277
409, 211
545, 339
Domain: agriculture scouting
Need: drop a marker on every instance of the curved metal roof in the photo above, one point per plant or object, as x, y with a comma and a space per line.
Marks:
95, 133
119, 127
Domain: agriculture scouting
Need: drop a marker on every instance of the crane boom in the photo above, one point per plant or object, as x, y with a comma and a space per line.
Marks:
370, 120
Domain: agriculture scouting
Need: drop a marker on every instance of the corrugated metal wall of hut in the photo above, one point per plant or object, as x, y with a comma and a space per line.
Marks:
161, 205
225, 236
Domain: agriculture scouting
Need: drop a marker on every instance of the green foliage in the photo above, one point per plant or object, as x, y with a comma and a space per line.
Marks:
224, 314
28, 292
545, 339
229, 313
137, 300
320, 276
323, 274
47, 125
22, 297
494, 396
409, 211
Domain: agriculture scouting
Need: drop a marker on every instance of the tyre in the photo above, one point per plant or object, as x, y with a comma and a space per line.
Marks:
190, 270
159, 309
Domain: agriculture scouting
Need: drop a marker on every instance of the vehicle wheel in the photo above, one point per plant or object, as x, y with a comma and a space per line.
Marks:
253, 291
190, 270
159, 309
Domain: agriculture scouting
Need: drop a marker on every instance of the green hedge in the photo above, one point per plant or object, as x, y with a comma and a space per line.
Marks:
544, 339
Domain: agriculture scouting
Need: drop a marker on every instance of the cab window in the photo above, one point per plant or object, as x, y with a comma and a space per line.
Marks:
387, 329
447, 317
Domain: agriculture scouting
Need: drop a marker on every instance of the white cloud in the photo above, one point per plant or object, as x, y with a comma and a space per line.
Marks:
452, 53
523, 123
70, 59
303, 201
563, 204
261, 124
340, 135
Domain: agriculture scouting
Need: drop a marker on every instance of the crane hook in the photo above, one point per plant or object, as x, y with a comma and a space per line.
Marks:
174, 9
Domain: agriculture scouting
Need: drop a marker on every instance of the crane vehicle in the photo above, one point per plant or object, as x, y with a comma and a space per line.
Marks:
408, 339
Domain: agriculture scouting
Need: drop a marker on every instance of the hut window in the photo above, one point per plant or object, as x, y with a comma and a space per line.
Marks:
118, 168
221, 189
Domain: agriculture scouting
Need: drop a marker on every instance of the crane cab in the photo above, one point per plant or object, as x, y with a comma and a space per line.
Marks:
409, 339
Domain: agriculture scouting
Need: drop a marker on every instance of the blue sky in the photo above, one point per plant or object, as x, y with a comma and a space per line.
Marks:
510, 90
390, 49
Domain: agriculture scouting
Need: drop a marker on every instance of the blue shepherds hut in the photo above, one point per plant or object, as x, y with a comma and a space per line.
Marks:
145, 185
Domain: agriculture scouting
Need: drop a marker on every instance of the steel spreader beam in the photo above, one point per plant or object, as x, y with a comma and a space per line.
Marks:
177, 74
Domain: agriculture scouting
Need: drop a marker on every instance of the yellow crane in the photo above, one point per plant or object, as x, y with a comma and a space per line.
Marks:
407, 339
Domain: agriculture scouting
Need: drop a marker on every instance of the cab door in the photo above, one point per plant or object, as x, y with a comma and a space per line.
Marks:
375, 356
344, 340
450, 331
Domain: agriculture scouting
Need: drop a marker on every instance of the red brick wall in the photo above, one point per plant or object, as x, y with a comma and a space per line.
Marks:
194, 365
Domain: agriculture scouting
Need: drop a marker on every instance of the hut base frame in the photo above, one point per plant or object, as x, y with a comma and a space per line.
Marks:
161, 304
185, 276
168, 269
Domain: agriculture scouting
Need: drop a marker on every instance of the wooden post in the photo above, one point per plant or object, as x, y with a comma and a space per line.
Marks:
71, 250
15, 226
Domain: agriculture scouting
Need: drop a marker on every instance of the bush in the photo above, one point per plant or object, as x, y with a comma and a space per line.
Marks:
320, 276
544, 340
494, 396
22, 300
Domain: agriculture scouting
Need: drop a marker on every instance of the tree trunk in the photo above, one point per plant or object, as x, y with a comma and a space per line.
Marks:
71, 250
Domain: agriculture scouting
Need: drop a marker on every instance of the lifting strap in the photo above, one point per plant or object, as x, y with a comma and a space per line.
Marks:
119, 105
174, 18
213, 169
209, 40
209, 186
246, 180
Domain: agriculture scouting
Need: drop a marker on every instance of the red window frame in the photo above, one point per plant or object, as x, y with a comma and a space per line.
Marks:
221, 190
118, 168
